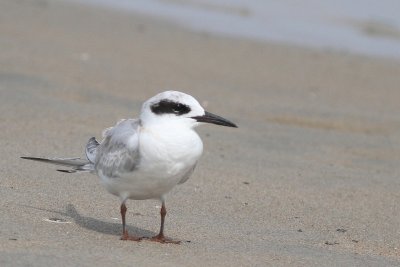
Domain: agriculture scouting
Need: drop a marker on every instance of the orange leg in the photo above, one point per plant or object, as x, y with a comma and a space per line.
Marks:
125, 235
160, 237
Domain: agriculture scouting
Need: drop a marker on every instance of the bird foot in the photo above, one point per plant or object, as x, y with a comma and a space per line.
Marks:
163, 239
126, 236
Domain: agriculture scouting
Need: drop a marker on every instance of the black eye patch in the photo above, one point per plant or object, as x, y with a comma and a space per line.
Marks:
169, 107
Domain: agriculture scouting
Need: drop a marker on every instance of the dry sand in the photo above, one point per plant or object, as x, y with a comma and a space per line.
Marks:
311, 177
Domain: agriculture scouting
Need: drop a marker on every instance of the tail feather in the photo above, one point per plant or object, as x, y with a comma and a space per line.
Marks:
76, 164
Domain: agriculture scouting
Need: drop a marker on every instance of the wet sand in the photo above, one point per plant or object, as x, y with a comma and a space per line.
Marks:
310, 177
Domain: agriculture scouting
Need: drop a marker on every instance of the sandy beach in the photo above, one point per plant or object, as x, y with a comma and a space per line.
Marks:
310, 177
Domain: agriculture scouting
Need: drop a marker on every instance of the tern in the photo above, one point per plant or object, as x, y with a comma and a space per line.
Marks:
145, 158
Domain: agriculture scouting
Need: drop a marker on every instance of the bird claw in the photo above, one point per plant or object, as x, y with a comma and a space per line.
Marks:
164, 240
125, 236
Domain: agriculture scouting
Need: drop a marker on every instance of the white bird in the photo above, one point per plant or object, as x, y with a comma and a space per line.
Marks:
145, 158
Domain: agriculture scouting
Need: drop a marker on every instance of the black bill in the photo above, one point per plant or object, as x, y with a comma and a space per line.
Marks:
215, 119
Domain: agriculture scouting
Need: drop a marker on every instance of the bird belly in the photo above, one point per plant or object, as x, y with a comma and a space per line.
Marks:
140, 185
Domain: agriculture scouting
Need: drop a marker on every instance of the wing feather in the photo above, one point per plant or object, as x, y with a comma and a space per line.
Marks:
187, 174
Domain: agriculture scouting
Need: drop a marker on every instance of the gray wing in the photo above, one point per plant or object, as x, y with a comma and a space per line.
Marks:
119, 151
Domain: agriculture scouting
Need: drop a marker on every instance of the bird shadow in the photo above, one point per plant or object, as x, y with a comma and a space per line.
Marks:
96, 225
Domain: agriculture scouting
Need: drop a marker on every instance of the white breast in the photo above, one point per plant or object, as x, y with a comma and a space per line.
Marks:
169, 152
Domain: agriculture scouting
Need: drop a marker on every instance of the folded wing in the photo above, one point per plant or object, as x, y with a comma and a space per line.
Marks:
118, 153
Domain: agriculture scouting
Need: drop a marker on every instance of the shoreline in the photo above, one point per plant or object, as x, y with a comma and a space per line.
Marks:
351, 31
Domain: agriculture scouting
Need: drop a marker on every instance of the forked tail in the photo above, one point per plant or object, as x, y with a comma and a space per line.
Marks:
74, 164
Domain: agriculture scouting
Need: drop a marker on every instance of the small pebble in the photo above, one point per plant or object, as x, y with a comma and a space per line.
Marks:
331, 243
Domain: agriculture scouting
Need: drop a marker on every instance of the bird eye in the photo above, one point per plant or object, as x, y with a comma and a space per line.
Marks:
167, 106
177, 108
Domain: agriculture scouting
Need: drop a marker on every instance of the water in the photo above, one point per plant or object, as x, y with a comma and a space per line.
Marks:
370, 27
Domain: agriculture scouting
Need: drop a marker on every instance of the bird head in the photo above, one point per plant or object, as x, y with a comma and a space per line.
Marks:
175, 107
